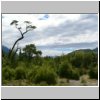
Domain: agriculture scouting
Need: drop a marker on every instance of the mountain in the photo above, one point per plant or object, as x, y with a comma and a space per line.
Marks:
88, 50
5, 49
83, 52
95, 50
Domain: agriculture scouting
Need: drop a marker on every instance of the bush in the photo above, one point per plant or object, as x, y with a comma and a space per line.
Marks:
75, 74
82, 71
32, 73
20, 73
46, 74
65, 70
93, 73
8, 73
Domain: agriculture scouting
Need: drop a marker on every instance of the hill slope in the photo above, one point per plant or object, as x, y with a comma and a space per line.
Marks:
5, 49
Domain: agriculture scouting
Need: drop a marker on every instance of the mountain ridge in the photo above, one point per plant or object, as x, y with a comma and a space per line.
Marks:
6, 50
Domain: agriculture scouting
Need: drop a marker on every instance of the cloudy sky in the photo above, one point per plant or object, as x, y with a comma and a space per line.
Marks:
55, 33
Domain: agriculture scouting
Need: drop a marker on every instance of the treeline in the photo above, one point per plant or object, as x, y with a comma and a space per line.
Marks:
28, 65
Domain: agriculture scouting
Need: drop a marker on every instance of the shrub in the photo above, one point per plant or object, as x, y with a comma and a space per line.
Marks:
65, 70
8, 73
75, 74
45, 74
20, 73
31, 73
82, 71
93, 73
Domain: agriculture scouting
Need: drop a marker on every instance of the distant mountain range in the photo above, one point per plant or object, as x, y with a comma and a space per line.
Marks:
95, 50
6, 50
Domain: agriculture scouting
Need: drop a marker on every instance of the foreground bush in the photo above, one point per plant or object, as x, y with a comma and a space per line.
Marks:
8, 73
75, 74
65, 70
20, 73
46, 74
93, 73
32, 73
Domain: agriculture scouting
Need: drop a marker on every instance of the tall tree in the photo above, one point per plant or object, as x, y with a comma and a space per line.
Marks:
29, 27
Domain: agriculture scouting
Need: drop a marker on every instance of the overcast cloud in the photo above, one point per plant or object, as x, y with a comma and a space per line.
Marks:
55, 33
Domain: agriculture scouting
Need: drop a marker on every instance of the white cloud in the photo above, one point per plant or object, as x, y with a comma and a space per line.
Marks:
53, 20
85, 38
53, 52
81, 38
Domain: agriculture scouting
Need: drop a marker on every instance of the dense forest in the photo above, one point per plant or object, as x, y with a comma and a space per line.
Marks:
27, 67
30, 68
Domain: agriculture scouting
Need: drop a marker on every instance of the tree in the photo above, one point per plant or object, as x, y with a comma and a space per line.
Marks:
65, 70
30, 51
38, 53
28, 28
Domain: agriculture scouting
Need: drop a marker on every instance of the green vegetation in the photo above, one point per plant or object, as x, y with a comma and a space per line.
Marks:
93, 73
30, 68
45, 74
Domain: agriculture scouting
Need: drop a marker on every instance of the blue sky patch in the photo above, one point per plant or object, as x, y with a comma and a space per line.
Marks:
46, 16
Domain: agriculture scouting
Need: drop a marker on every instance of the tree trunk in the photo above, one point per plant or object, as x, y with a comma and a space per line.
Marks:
14, 45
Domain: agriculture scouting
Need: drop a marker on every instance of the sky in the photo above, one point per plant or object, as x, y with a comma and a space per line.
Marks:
56, 34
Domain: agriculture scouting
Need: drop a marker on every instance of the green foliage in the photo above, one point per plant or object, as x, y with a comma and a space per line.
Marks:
30, 51
83, 71
32, 73
82, 59
75, 74
93, 73
46, 74
65, 70
76, 59
20, 73
8, 73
